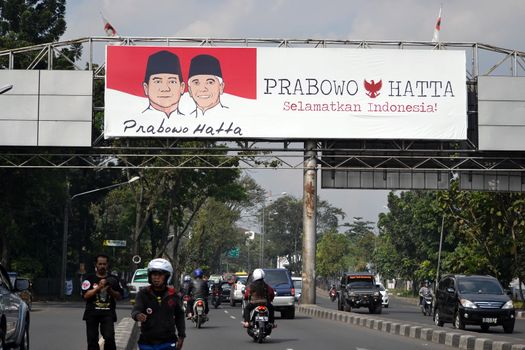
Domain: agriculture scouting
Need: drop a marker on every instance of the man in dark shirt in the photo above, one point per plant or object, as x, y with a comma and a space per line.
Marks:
158, 309
101, 290
200, 289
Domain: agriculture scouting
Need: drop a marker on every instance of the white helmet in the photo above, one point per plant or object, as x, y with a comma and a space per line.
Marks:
160, 265
258, 274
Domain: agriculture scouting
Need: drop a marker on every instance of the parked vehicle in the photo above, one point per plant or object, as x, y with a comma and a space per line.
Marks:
237, 290
385, 301
259, 327
139, 280
281, 281
14, 313
473, 300
359, 290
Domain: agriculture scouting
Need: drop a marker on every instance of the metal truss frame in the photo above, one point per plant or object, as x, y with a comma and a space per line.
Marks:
263, 154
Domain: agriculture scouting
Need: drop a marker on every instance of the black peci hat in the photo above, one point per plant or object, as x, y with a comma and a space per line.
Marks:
163, 62
205, 64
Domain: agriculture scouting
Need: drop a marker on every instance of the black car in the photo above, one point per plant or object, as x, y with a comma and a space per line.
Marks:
359, 290
473, 300
225, 290
14, 313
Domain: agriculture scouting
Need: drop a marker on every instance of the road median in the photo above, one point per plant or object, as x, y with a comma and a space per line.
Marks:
438, 335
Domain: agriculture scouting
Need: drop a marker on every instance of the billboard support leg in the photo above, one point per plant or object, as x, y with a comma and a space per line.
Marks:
309, 221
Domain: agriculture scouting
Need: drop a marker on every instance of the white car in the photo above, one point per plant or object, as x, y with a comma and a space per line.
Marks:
298, 286
238, 289
384, 294
139, 280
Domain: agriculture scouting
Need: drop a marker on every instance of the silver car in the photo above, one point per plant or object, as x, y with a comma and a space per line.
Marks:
14, 313
384, 294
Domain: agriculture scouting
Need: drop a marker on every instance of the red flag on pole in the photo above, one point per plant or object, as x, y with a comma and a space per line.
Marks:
108, 28
435, 39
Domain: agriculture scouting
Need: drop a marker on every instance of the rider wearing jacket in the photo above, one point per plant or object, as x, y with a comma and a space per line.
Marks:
258, 293
157, 308
200, 289
424, 290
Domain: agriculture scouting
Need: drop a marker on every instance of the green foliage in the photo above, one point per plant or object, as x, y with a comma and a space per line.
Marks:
362, 244
332, 253
283, 223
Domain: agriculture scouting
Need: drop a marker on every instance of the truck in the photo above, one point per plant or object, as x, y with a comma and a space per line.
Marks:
358, 290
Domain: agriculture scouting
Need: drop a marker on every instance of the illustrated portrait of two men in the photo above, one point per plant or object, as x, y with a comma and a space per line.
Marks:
164, 85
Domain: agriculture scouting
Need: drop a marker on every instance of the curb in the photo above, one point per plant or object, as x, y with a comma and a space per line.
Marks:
415, 301
126, 334
431, 334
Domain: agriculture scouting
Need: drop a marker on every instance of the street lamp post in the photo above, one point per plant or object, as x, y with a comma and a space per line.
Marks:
6, 88
67, 208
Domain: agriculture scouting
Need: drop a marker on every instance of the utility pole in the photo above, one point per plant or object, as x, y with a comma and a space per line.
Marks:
309, 221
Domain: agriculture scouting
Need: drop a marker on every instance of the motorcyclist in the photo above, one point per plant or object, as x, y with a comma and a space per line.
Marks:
185, 290
158, 309
258, 293
217, 290
332, 292
424, 290
186, 285
200, 289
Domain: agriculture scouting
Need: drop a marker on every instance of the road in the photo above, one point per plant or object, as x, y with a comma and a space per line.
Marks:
59, 326
402, 310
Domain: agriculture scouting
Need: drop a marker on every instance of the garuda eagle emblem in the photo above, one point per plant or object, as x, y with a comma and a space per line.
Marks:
373, 88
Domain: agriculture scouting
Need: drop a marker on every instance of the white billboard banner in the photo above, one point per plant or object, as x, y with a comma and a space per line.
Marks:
46, 108
285, 93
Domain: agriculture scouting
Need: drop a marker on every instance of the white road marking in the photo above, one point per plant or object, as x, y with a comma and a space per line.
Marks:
225, 311
361, 349
233, 317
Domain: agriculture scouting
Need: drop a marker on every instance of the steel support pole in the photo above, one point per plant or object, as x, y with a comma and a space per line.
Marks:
65, 234
439, 252
309, 221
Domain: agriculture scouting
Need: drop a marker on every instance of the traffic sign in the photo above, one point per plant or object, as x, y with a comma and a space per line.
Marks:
114, 243
234, 252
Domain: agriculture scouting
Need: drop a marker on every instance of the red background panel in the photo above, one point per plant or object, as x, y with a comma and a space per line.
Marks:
126, 67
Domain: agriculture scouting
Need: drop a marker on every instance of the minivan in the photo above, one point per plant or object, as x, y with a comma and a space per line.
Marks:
473, 300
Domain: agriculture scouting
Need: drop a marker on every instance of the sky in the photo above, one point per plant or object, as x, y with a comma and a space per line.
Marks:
486, 21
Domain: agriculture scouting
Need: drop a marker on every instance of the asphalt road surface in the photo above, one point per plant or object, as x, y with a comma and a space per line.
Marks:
60, 326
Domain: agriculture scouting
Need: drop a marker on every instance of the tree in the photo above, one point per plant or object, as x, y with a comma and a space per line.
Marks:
31, 22
491, 233
411, 229
332, 255
362, 242
284, 227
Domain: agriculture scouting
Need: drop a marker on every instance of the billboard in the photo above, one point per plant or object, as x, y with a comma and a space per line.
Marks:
501, 121
46, 108
285, 93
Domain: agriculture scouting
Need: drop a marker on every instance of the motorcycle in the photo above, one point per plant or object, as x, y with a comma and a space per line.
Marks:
259, 327
216, 298
332, 293
186, 299
198, 316
426, 306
